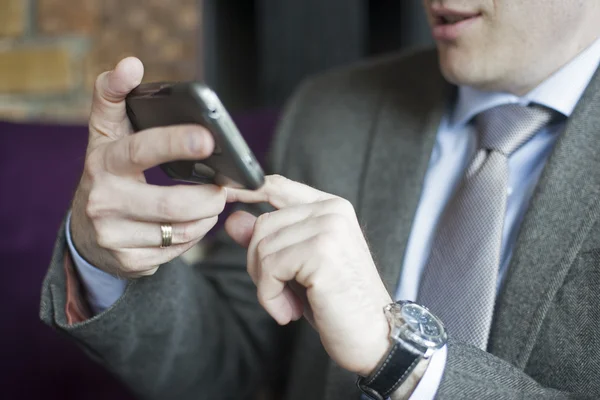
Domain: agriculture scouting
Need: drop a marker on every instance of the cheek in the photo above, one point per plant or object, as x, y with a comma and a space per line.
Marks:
532, 28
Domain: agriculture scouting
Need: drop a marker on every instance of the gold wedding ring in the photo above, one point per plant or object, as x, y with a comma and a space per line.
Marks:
166, 231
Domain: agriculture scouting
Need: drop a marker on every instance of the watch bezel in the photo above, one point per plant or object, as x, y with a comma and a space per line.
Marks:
402, 332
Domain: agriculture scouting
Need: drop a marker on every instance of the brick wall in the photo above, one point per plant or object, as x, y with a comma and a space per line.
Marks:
52, 50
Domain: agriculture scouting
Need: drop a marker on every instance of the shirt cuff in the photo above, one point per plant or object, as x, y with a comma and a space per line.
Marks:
102, 289
430, 382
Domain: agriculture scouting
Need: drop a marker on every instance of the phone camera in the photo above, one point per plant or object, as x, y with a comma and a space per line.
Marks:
213, 113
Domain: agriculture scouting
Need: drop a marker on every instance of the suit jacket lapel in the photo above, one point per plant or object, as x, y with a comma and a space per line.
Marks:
554, 228
400, 150
401, 144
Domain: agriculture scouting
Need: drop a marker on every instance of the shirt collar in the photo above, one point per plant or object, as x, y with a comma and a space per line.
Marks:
561, 91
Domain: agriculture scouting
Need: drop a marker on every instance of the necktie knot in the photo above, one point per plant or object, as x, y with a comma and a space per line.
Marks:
505, 128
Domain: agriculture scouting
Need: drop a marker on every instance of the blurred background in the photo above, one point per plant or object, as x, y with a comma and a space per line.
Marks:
252, 52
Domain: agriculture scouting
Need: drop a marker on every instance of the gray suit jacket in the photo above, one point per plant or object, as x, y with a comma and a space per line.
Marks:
366, 133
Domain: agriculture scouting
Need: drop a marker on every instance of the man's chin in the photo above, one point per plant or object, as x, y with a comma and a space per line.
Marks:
457, 77
462, 69
464, 72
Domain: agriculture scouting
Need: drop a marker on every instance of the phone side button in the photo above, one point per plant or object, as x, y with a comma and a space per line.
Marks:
204, 171
247, 159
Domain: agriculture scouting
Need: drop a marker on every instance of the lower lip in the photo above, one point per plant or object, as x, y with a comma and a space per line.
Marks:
450, 32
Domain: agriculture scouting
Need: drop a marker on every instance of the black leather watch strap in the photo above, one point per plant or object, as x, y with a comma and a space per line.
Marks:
391, 372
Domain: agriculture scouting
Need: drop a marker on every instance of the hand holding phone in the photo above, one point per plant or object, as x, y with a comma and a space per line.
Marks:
116, 217
163, 104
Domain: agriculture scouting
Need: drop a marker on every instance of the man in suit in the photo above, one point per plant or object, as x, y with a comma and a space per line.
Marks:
477, 189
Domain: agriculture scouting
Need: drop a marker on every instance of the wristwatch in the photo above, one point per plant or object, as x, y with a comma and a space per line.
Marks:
415, 334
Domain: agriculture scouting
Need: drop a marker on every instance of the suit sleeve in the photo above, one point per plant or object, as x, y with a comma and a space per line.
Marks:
429, 383
185, 332
471, 373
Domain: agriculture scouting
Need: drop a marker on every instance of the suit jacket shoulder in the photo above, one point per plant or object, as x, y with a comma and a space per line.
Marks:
323, 137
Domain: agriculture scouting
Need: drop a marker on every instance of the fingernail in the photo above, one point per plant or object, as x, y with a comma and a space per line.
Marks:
196, 142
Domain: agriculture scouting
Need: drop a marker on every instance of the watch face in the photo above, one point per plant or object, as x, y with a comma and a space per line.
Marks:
422, 322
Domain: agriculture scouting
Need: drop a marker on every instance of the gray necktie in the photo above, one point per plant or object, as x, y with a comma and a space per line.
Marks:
460, 277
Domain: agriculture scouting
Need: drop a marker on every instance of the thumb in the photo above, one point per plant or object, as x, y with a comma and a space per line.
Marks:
240, 226
109, 117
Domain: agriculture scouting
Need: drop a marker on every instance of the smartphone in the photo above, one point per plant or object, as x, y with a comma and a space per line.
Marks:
159, 104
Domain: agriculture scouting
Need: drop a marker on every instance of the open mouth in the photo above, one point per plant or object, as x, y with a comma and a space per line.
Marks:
453, 19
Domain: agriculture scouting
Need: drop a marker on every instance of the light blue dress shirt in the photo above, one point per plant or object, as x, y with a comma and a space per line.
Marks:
455, 145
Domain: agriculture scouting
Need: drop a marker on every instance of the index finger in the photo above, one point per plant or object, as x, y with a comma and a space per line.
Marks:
280, 192
146, 149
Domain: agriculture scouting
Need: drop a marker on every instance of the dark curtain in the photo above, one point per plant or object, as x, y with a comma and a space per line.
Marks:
256, 51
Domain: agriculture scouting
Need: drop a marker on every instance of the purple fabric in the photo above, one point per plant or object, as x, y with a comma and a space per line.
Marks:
39, 170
